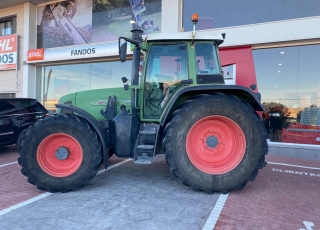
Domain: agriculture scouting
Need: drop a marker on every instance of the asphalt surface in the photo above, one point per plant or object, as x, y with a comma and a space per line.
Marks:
285, 195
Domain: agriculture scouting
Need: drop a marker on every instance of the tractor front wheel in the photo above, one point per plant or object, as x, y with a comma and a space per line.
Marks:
215, 143
60, 153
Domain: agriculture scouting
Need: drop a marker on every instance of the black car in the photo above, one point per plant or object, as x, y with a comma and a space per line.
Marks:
16, 115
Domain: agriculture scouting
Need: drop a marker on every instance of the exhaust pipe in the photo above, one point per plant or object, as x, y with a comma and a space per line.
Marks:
136, 36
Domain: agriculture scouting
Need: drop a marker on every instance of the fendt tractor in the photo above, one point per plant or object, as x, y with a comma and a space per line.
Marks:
176, 104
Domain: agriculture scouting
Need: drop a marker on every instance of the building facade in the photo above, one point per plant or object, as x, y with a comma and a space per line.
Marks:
69, 46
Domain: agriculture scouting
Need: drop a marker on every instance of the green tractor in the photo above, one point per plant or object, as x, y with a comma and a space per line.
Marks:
177, 104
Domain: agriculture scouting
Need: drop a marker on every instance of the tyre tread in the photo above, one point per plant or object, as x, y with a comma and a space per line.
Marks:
66, 121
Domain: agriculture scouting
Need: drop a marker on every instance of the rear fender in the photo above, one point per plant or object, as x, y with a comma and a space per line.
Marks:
241, 92
69, 109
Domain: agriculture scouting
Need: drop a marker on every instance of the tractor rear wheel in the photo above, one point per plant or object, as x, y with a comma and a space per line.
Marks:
215, 143
60, 153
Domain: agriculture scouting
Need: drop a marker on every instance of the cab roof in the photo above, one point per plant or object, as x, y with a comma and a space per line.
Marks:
200, 35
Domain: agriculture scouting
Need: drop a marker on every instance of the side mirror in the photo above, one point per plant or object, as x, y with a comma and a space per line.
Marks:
123, 52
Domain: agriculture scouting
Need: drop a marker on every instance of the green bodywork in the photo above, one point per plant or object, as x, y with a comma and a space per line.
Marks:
93, 101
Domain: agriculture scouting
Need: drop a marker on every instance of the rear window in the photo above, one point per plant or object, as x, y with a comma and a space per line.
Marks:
31, 106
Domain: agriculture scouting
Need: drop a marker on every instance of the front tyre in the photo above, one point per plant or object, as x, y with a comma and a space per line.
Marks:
215, 143
60, 153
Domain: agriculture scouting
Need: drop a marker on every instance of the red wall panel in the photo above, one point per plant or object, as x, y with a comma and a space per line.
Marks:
242, 57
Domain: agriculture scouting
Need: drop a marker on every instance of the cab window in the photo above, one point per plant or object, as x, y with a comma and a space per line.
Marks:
167, 66
206, 59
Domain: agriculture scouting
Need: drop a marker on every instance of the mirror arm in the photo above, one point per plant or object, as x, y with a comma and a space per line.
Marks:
128, 40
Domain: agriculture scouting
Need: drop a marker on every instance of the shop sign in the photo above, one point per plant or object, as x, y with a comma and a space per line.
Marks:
8, 52
35, 54
75, 52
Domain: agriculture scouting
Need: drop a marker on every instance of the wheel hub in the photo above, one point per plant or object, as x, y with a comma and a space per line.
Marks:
62, 153
59, 155
215, 144
212, 142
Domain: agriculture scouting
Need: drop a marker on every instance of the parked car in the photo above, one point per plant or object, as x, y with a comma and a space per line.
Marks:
16, 115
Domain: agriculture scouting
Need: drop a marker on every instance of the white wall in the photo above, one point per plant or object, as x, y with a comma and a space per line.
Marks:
29, 42
171, 17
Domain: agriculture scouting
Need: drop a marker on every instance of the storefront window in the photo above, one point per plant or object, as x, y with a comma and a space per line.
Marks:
65, 23
290, 87
60, 80
218, 14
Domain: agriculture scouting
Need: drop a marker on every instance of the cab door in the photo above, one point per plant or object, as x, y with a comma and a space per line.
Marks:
167, 65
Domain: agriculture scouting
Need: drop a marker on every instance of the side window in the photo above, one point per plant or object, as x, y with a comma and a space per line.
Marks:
167, 66
206, 59
6, 109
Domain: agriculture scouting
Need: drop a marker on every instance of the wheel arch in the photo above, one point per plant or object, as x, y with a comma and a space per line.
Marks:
186, 93
94, 123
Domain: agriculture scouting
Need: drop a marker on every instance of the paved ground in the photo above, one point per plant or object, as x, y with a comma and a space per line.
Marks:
282, 197
285, 195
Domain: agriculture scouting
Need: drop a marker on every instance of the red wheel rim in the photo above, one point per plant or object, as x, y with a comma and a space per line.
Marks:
215, 144
59, 155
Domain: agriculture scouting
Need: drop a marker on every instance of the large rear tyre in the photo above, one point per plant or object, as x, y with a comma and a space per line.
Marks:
60, 153
215, 143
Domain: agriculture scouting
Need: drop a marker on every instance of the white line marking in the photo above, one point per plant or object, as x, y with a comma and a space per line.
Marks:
9, 164
308, 225
115, 165
298, 166
213, 218
4, 211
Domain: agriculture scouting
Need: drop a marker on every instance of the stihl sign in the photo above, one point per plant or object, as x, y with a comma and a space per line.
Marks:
36, 54
8, 51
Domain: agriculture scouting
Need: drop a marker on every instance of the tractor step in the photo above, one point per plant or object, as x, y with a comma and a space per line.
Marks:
145, 147
146, 143
148, 132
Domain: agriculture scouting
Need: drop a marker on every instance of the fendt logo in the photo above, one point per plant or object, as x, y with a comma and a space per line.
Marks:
8, 52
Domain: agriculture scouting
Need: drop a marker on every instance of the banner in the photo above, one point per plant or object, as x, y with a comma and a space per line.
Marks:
8, 52
113, 19
64, 23
76, 22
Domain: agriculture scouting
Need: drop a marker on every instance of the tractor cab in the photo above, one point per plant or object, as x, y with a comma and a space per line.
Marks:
170, 64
